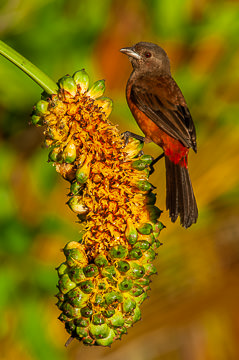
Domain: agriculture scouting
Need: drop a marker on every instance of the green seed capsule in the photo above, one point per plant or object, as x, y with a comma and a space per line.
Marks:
131, 233
142, 245
54, 155
150, 269
97, 319
137, 315
82, 322
106, 105
64, 318
99, 331
136, 271
82, 333
126, 284
87, 340
69, 153
60, 296
91, 270
99, 300
62, 269
109, 272
144, 185
75, 254
86, 312
154, 212
100, 260
68, 84
113, 297
156, 244
77, 297
108, 313
75, 204
147, 159
139, 165
70, 311
101, 286
145, 229
97, 90
149, 255
136, 290
87, 286
140, 299
107, 341
150, 199
82, 173
82, 79
135, 254
65, 284
41, 108
145, 281
118, 252
70, 326
75, 188
36, 120
123, 266
117, 319
129, 303
76, 274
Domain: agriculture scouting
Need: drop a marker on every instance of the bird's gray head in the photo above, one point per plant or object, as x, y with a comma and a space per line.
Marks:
148, 57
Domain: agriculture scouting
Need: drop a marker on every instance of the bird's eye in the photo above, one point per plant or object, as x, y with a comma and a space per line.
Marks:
147, 54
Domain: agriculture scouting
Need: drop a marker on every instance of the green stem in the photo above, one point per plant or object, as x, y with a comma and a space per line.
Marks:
31, 70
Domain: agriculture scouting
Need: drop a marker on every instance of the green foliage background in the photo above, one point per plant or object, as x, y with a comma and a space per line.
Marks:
192, 312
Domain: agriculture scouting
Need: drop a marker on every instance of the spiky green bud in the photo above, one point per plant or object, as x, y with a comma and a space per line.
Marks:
82, 79
97, 90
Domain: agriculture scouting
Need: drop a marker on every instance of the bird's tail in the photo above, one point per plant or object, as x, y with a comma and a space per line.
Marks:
180, 199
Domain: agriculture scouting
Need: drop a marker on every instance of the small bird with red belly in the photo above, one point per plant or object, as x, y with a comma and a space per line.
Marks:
161, 112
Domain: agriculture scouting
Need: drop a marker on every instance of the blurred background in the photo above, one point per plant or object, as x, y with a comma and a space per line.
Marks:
192, 312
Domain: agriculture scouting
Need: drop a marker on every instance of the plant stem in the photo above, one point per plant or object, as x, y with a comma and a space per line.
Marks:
31, 70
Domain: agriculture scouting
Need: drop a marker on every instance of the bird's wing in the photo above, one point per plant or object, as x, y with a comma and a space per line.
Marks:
162, 101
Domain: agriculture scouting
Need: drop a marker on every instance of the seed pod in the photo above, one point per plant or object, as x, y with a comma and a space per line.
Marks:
135, 254
97, 90
144, 185
154, 212
75, 254
123, 266
82, 173
75, 188
145, 229
69, 153
86, 286
107, 341
41, 108
100, 260
77, 298
75, 204
118, 252
54, 154
147, 159
139, 165
65, 284
136, 271
106, 105
126, 284
68, 84
76, 274
143, 245
130, 232
129, 303
36, 120
117, 319
113, 297
82, 79
91, 270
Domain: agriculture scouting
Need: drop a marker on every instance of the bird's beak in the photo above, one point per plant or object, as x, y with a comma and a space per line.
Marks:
130, 52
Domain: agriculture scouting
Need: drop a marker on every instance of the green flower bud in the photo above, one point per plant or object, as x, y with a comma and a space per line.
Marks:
87, 340
91, 270
54, 155
75, 188
75, 204
154, 212
82, 333
102, 286
76, 274
139, 165
136, 271
107, 341
70, 311
142, 245
145, 281
129, 303
126, 284
99, 331
87, 286
65, 284
109, 272
145, 229
117, 319
150, 199
70, 326
77, 297
123, 266
150, 269
82, 79
69, 153
147, 159
97, 90
63, 318
137, 315
36, 120
108, 313
86, 312
136, 290
100, 260
156, 244
149, 255
118, 252
60, 296
98, 299
68, 84
140, 299
97, 319
131, 233
75, 254
144, 185
82, 173
62, 269
135, 254
82, 322
157, 227
41, 108
113, 297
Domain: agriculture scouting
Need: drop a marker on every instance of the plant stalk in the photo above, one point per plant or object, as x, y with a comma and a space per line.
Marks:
31, 70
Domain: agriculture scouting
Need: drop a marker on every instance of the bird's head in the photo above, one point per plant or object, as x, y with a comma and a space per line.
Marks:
148, 57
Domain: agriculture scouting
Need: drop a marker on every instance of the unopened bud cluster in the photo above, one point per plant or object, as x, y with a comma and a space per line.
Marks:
106, 275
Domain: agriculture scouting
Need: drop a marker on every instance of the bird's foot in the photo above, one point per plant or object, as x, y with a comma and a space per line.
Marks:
154, 162
127, 134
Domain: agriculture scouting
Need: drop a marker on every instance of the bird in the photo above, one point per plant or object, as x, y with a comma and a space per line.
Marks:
159, 107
